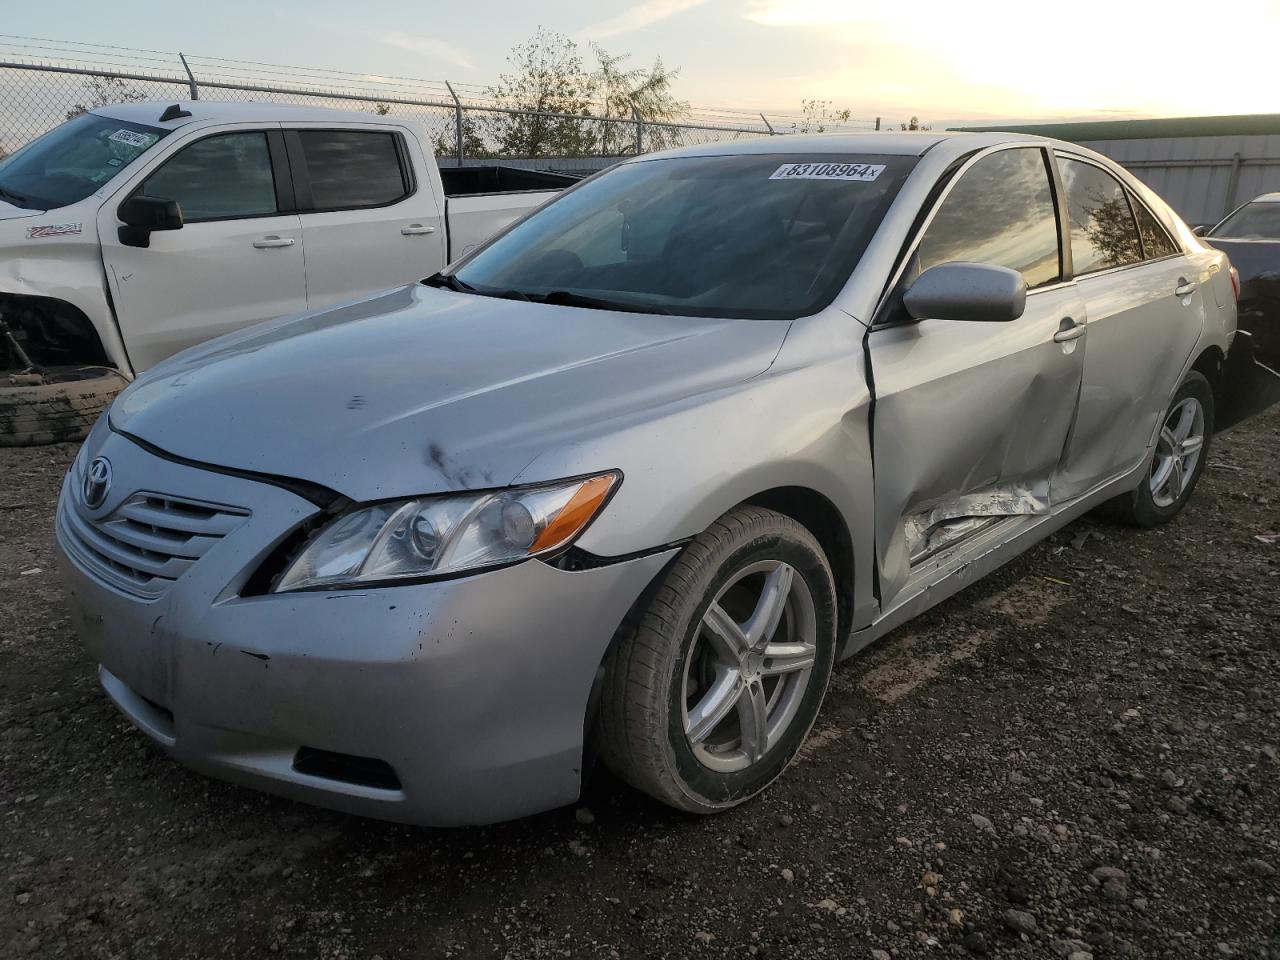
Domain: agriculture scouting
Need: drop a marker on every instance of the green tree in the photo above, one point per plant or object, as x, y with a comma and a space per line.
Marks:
473, 145
817, 116
914, 124
104, 90
547, 78
1110, 229
623, 93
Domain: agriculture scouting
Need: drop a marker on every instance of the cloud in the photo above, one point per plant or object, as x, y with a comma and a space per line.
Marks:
803, 13
439, 50
633, 18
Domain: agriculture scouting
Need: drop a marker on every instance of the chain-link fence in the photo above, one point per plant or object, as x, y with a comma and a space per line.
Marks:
43, 83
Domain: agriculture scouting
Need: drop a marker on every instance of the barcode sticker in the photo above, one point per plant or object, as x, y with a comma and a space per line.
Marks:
133, 138
828, 171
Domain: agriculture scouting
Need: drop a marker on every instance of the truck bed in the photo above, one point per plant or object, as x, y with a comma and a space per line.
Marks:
481, 201
480, 181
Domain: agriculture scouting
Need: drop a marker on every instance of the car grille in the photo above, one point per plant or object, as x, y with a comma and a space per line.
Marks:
147, 542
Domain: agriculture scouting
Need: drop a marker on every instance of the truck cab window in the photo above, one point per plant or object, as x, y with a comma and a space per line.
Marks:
218, 178
352, 169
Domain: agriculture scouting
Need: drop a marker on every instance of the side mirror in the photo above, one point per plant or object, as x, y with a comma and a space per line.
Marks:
1201, 230
142, 215
967, 291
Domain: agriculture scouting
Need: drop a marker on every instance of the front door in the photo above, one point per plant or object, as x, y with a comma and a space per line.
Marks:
236, 260
1145, 314
971, 419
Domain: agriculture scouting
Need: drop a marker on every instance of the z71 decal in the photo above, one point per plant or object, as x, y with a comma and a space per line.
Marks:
53, 230
828, 171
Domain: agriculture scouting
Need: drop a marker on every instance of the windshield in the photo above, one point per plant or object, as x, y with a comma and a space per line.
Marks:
71, 161
758, 237
1253, 221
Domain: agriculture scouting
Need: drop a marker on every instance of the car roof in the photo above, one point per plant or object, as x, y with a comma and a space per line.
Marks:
1267, 198
203, 110
906, 144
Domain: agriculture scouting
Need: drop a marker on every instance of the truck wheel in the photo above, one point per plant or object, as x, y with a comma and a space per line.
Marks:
709, 698
1182, 450
61, 409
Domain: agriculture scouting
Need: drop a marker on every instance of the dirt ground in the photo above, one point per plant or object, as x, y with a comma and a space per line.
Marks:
1076, 757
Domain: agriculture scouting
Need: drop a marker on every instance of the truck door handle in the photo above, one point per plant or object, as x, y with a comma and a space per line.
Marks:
1185, 287
266, 243
416, 230
1069, 330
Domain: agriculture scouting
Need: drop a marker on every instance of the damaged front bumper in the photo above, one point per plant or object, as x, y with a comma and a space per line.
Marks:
446, 703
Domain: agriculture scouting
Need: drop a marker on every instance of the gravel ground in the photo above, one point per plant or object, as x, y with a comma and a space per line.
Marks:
1076, 757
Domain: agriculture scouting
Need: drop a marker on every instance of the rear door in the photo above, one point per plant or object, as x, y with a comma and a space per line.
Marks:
1146, 312
371, 221
237, 260
970, 419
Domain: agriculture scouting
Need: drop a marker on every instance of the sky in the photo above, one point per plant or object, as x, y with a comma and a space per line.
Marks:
941, 61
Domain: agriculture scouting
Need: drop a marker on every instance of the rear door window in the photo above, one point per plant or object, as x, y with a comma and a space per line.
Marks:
1156, 242
1103, 231
999, 212
222, 177
352, 169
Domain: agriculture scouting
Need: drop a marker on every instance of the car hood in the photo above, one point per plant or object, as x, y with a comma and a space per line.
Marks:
421, 390
9, 211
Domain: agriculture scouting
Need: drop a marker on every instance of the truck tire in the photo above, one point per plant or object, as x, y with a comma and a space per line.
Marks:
57, 412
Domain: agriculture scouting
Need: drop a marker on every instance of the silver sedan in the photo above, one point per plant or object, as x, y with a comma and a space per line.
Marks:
624, 483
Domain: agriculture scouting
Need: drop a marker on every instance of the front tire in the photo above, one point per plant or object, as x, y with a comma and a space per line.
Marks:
1182, 450
706, 702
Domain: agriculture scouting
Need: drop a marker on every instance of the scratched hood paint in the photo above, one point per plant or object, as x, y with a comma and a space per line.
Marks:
420, 390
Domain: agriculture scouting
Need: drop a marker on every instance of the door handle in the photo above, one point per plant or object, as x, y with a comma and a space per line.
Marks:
267, 243
1185, 287
1069, 330
416, 230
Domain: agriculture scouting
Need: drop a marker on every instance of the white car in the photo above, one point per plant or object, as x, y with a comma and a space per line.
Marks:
132, 232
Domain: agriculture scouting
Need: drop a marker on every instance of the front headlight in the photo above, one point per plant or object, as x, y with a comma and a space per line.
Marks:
437, 535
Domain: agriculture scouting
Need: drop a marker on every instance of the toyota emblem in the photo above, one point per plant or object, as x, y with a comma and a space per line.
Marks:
97, 483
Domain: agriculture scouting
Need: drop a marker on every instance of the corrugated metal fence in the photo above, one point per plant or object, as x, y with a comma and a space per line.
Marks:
1203, 178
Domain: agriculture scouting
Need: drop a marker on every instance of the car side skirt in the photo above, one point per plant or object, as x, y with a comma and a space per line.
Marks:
949, 573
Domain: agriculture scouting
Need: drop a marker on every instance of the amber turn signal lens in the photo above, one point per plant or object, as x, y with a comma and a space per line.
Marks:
575, 514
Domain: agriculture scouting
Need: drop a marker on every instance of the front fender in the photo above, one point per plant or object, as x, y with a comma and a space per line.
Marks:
689, 464
66, 267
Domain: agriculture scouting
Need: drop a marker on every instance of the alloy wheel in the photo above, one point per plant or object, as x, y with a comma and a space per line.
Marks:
751, 662
1177, 452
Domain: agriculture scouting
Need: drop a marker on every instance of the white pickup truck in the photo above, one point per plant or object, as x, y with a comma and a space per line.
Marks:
131, 232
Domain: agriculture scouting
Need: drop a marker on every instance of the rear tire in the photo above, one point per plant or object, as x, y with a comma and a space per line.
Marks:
56, 412
741, 628
1172, 477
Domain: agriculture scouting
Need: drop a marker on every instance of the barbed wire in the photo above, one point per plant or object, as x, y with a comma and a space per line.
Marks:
46, 51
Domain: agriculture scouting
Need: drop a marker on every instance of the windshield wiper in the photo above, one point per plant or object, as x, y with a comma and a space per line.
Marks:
17, 198
449, 282
561, 298
567, 298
